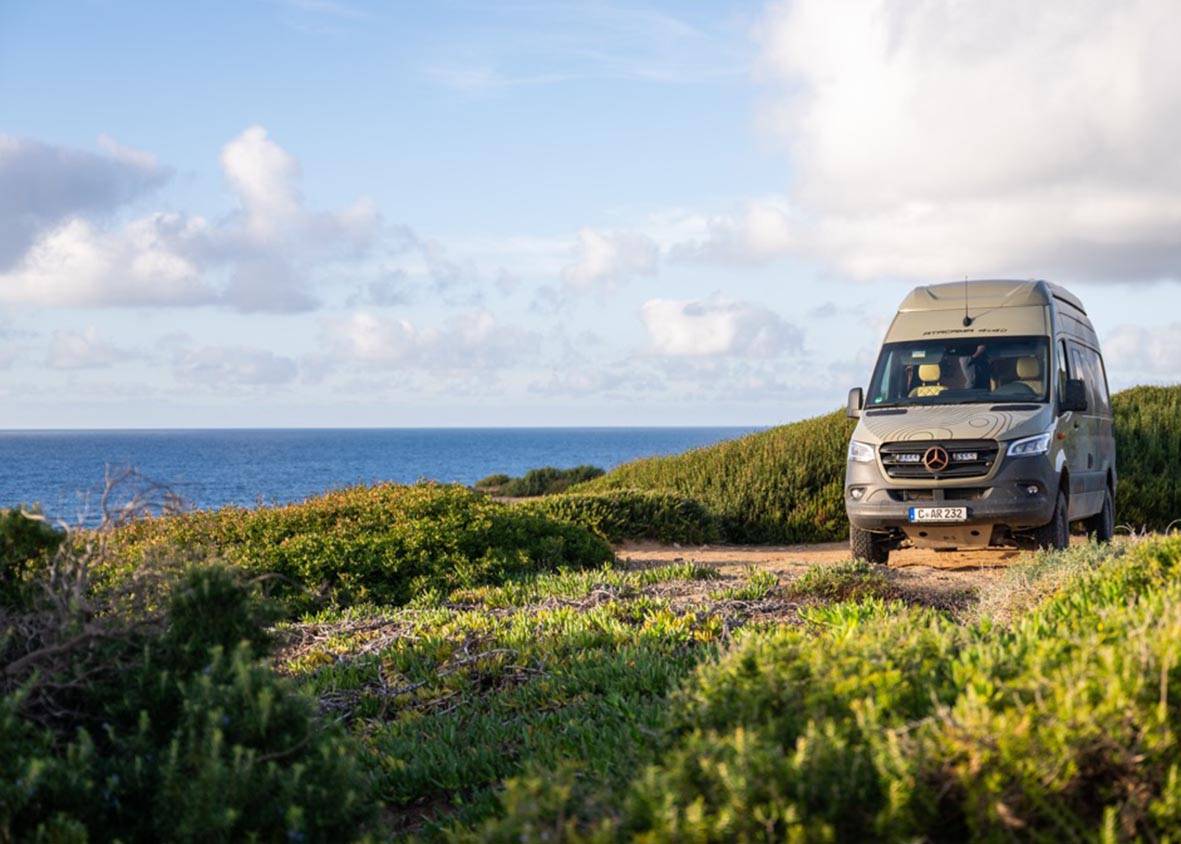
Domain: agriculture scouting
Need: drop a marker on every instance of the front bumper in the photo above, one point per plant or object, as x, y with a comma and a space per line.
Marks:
1000, 499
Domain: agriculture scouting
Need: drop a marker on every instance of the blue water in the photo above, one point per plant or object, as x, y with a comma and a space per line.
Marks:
212, 468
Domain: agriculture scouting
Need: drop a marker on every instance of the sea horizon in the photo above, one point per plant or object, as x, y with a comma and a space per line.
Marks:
62, 470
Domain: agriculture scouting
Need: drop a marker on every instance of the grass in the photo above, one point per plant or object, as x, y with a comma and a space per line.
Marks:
455, 699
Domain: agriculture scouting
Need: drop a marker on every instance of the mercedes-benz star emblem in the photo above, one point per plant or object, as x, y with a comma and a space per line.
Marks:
936, 458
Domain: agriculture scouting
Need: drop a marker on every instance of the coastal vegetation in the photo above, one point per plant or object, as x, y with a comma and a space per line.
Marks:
385, 544
628, 514
547, 480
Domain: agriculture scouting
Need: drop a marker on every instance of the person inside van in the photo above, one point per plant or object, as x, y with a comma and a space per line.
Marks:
958, 371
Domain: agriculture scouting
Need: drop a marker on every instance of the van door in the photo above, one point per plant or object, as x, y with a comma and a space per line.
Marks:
1071, 429
1089, 430
1104, 425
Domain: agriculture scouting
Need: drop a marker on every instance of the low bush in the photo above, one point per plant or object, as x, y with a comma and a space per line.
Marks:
629, 514
848, 581
384, 544
544, 481
26, 544
167, 726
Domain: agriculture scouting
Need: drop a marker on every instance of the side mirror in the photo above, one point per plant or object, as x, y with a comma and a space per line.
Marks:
1074, 397
855, 403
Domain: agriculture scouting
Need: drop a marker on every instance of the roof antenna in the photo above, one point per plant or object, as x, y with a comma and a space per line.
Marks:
967, 319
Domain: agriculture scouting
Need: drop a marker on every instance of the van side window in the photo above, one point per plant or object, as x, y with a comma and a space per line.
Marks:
1079, 370
1086, 364
1098, 380
1063, 371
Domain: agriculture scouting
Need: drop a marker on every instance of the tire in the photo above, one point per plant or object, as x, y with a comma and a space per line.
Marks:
1101, 526
1055, 534
869, 546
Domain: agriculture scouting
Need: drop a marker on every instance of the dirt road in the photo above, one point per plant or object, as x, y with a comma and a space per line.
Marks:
939, 578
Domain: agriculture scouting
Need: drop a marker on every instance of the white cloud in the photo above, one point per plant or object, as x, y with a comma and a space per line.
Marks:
606, 259
82, 350
472, 341
716, 326
1131, 352
762, 231
265, 177
232, 366
143, 263
42, 185
945, 138
260, 259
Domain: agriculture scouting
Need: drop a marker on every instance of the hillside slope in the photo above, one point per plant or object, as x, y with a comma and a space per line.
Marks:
1148, 456
779, 485
784, 484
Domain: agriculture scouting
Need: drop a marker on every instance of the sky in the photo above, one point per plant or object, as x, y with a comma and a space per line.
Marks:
273, 213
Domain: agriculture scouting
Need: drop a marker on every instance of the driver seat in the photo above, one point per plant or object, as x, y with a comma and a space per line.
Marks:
1029, 373
929, 374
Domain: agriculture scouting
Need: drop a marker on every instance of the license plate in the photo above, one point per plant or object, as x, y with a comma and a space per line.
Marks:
937, 514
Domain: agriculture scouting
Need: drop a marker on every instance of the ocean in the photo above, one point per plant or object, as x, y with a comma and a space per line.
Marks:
62, 470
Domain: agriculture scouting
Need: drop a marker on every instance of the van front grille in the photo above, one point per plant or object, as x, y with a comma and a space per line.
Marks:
967, 458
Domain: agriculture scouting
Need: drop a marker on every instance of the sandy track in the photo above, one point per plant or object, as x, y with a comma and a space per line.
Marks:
948, 579
790, 557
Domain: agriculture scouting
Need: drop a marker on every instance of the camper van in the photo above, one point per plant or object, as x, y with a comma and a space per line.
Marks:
987, 422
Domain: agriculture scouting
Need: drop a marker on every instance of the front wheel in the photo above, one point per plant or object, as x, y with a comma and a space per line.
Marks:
1101, 526
1055, 534
869, 546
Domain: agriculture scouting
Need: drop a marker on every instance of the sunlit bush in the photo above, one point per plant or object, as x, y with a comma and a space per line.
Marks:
628, 514
384, 543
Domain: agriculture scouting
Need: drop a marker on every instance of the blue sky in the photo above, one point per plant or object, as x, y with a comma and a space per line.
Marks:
321, 213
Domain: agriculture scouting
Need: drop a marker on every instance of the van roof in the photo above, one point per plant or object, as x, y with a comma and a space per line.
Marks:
987, 293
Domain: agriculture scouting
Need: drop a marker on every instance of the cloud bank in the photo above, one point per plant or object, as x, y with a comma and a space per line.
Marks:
944, 138
66, 253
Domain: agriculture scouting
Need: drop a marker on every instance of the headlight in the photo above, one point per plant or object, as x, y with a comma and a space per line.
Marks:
1030, 446
860, 452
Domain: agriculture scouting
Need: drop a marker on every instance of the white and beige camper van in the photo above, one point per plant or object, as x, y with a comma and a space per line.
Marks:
987, 422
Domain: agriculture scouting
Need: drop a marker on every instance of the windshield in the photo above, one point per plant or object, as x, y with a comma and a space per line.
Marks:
961, 370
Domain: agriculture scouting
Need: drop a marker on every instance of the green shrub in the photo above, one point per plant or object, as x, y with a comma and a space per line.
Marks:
848, 581
759, 586
785, 738
1148, 456
179, 732
879, 721
628, 514
25, 546
544, 481
781, 485
384, 543
492, 483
